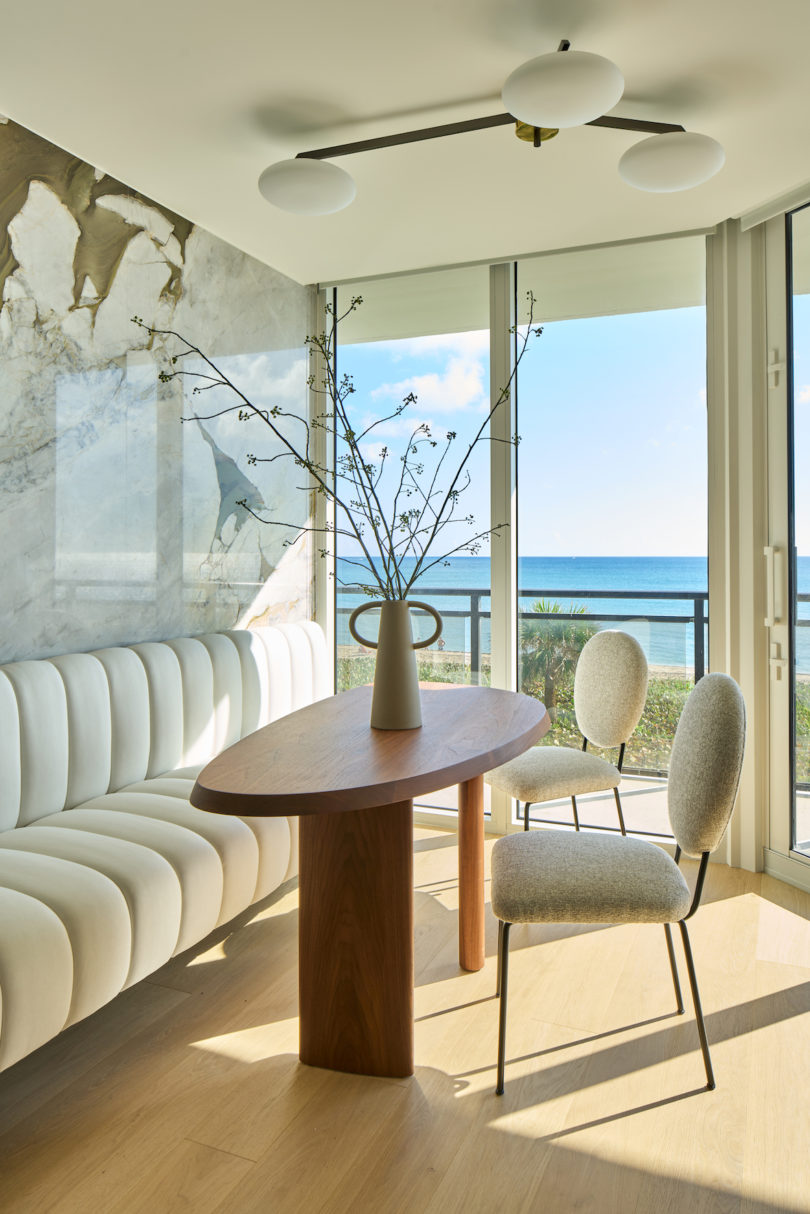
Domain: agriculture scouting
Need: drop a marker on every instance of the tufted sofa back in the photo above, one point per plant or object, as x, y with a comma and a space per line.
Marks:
81, 725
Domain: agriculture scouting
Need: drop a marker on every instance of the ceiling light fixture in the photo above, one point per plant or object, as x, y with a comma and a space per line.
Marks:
545, 95
307, 187
563, 90
675, 161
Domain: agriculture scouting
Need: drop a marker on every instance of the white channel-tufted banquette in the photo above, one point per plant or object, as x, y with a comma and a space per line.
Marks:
106, 870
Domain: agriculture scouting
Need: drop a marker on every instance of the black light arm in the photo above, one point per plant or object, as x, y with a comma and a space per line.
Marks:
477, 124
389, 141
472, 124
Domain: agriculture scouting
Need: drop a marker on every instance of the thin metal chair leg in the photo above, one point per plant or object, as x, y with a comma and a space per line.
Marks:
619, 808
500, 950
503, 967
704, 1043
526, 815
673, 966
576, 815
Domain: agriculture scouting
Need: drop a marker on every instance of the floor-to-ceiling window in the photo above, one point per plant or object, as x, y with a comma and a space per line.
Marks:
417, 351
612, 486
612, 494
799, 519
611, 489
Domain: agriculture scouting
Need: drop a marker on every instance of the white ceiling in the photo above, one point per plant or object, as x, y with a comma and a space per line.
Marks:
188, 100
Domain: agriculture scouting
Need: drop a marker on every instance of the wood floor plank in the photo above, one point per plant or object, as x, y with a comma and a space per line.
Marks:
189, 1177
159, 1080
186, 1094
643, 1104
268, 930
784, 915
777, 1146
314, 1154
64, 1062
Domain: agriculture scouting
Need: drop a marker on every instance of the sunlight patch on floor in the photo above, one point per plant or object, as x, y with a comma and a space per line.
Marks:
215, 953
251, 1044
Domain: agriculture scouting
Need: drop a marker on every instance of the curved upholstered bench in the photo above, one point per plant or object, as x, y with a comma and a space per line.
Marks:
106, 870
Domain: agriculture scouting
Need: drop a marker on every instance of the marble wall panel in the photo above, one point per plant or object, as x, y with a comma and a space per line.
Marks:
119, 520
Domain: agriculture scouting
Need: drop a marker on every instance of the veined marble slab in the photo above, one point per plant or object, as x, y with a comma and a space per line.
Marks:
119, 521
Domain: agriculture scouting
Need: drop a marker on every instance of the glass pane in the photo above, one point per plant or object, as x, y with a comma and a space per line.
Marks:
417, 349
612, 493
800, 523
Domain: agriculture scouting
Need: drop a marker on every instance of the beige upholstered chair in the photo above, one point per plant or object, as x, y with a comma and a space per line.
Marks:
560, 877
610, 689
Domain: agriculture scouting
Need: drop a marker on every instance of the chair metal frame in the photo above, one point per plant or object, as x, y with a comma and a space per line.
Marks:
503, 976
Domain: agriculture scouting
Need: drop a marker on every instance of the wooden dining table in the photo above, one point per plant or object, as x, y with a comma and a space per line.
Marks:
352, 788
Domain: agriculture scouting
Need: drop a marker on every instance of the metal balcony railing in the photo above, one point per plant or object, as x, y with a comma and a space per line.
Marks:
694, 614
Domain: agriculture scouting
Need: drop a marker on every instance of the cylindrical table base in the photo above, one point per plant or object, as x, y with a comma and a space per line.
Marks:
471, 874
355, 936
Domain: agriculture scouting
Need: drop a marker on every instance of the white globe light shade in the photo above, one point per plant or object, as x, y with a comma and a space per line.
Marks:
676, 160
307, 187
565, 88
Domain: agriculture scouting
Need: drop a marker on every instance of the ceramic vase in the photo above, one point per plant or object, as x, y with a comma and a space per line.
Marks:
395, 702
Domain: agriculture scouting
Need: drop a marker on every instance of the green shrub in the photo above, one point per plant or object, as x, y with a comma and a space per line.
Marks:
803, 732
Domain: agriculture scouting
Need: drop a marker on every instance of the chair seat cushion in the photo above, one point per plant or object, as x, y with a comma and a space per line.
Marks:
559, 876
545, 773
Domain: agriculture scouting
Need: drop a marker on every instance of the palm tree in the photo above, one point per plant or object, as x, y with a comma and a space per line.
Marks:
549, 649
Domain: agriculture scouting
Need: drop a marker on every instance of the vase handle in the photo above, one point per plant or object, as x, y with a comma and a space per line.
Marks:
361, 640
431, 611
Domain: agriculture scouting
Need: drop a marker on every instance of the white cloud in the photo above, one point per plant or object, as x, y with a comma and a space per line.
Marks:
372, 452
804, 394
459, 387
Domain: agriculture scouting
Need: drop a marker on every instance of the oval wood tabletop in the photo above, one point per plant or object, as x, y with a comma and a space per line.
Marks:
326, 758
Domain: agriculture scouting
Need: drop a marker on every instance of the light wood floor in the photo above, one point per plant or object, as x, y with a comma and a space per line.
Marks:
186, 1093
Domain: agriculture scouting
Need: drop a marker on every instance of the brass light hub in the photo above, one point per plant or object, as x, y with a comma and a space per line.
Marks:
525, 131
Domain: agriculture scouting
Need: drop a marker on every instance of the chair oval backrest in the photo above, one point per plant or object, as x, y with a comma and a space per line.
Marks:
705, 764
610, 687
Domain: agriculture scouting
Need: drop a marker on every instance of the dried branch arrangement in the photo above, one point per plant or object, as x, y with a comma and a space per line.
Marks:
396, 507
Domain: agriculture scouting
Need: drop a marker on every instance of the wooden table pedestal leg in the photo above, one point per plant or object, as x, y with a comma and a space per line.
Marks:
471, 874
355, 934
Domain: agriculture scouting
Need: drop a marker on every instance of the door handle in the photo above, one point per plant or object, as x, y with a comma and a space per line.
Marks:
777, 662
772, 553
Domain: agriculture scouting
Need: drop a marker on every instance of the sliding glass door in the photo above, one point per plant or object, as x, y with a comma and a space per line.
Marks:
608, 524
612, 491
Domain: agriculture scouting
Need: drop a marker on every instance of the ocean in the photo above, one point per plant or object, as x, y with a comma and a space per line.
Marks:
562, 580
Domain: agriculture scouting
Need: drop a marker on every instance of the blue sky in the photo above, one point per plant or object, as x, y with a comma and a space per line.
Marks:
612, 419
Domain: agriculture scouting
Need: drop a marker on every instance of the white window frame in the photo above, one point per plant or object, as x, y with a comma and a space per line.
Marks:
743, 445
779, 859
